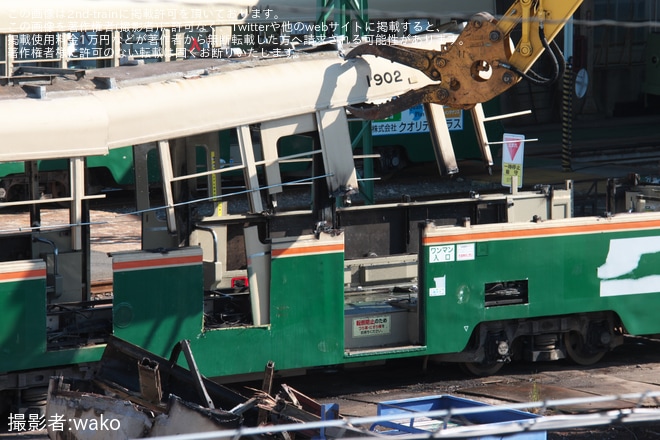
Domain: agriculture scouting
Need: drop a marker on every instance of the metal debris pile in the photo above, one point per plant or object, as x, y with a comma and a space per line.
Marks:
136, 394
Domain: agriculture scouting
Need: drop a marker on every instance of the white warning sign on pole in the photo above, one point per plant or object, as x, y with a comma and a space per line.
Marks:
513, 151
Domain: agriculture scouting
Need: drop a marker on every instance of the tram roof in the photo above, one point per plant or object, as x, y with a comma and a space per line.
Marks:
128, 105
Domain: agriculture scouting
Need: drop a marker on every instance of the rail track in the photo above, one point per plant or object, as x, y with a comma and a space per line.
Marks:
631, 368
101, 287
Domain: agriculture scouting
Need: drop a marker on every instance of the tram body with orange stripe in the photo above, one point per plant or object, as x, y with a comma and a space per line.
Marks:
249, 278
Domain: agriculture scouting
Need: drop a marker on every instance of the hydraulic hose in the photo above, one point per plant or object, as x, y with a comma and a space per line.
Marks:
558, 63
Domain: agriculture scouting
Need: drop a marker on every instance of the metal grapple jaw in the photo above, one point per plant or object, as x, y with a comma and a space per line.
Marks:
398, 104
472, 70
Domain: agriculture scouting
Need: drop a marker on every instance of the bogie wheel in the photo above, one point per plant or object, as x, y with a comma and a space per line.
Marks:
481, 368
578, 352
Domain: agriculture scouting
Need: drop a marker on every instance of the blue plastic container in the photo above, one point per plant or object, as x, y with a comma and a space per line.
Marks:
409, 423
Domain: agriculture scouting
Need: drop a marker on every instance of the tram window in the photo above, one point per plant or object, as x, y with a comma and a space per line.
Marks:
142, 44
504, 293
193, 42
291, 151
89, 50
53, 176
41, 47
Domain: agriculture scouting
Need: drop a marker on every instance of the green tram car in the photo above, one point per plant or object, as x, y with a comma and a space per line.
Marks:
248, 276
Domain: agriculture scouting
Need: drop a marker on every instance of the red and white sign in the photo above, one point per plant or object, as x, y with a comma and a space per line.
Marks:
513, 151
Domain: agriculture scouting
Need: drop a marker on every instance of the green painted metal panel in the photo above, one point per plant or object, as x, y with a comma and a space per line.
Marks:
9, 168
156, 308
564, 273
306, 322
119, 163
159, 303
158, 298
307, 306
230, 351
23, 325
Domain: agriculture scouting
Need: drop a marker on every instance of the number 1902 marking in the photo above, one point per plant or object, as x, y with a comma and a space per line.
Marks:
385, 78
